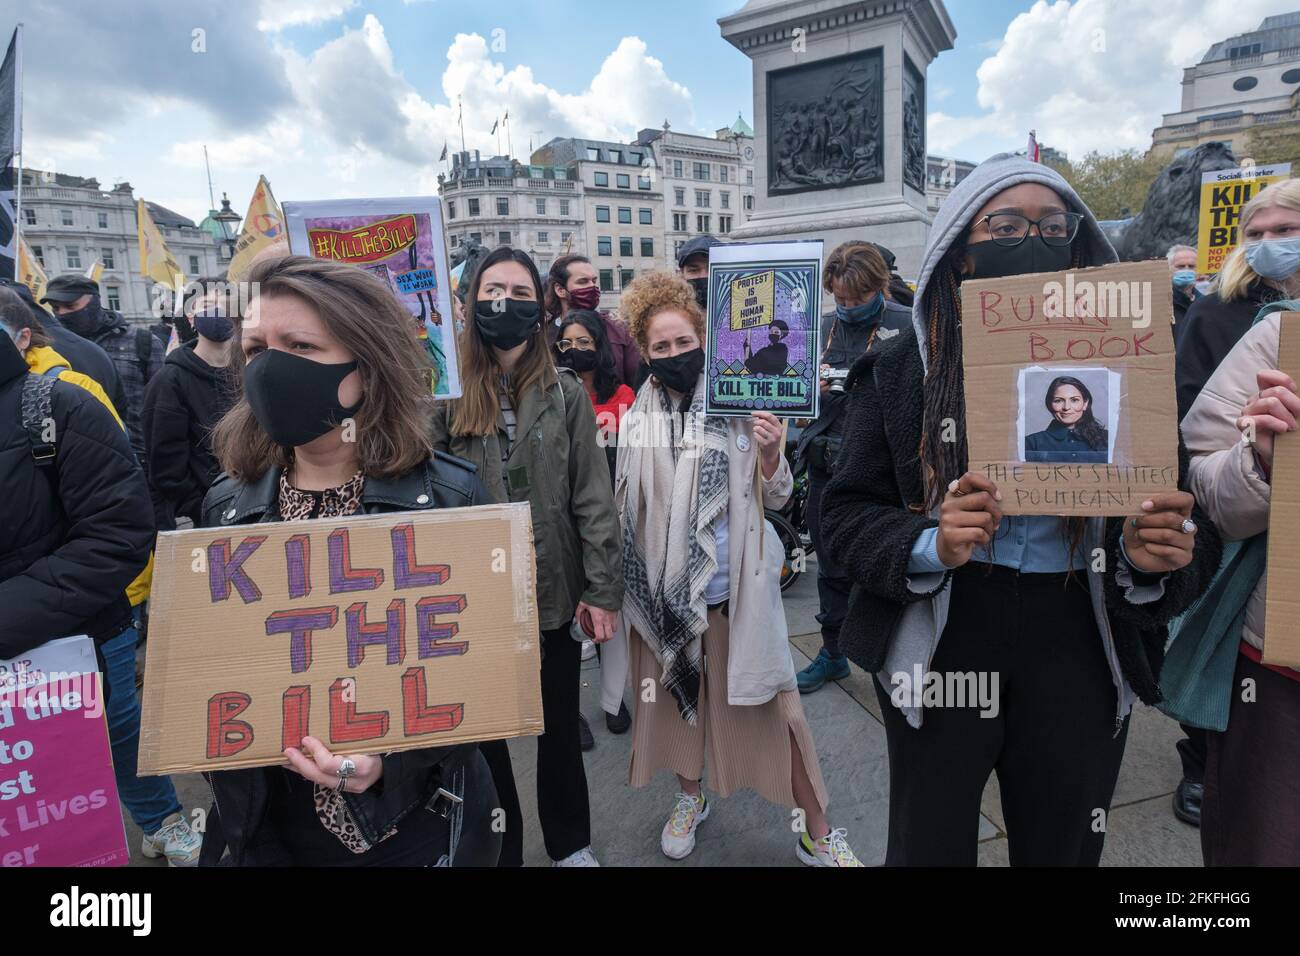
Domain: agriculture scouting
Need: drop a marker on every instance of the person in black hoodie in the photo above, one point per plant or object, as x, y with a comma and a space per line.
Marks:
136, 353
181, 405
84, 355
1067, 642
334, 420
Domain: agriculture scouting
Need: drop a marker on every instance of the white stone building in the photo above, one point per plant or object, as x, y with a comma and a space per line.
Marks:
70, 222
1242, 83
707, 181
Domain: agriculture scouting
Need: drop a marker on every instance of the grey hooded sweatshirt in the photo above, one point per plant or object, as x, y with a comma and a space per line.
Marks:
922, 622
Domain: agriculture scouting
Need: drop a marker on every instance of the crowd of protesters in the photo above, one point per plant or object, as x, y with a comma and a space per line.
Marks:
662, 556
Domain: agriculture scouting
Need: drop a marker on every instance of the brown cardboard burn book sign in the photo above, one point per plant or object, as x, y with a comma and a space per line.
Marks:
372, 633
1069, 383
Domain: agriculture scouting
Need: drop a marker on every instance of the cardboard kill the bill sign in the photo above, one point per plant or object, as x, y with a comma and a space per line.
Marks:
1282, 596
1069, 376
372, 633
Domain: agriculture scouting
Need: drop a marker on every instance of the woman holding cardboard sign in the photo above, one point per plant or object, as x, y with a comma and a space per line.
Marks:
531, 431
334, 421
1250, 815
1060, 623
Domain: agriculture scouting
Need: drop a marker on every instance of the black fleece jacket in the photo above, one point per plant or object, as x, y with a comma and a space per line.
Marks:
873, 511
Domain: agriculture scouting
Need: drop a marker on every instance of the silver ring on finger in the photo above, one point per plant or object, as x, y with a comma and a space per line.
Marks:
1189, 526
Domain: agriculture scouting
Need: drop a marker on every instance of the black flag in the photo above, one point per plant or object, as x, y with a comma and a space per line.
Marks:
10, 146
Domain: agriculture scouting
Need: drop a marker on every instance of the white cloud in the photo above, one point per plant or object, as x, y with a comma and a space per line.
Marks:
1093, 74
275, 15
279, 142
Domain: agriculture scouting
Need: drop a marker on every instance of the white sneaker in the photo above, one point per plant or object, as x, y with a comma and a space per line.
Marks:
174, 840
588, 650
584, 857
831, 850
678, 838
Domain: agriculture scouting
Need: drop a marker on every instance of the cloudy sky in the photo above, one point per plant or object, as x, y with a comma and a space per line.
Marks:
337, 98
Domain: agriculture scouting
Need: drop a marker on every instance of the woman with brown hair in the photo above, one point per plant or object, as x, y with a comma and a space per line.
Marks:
707, 638
571, 284
333, 420
530, 430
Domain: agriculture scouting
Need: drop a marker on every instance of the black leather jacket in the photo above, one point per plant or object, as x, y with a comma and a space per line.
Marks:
411, 778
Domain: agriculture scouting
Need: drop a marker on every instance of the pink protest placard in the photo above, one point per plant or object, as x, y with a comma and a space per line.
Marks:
58, 796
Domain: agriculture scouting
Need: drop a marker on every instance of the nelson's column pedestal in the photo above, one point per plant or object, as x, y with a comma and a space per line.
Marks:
839, 117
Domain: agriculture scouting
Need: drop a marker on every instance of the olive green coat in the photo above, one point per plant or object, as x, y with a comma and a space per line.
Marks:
558, 467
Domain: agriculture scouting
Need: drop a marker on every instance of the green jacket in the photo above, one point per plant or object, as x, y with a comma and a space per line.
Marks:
560, 470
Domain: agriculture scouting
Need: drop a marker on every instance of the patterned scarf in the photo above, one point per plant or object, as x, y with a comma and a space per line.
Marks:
298, 505
677, 487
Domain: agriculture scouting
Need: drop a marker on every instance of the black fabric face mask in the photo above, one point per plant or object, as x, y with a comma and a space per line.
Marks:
701, 287
580, 360
679, 372
85, 320
294, 399
505, 323
992, 261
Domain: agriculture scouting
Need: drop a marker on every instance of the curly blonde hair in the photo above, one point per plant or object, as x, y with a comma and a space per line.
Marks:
655, 292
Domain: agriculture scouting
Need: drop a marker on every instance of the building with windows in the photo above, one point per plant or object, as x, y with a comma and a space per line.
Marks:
707, 181
1246, 82
500, 201
622, 207
71, 222
942, 174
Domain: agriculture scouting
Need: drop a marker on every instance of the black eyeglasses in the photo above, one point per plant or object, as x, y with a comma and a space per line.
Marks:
1011, 228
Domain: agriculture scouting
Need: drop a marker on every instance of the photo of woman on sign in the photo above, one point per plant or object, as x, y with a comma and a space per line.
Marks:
1074, 434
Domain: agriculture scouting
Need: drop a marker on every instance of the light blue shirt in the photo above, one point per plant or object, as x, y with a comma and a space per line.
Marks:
719, 587
1034, 544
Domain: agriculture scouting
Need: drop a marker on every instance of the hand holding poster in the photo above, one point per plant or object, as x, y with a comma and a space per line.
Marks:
400, 240
1282, 598
1223, 193
58, 796
762, 334
1070, 388
374, 634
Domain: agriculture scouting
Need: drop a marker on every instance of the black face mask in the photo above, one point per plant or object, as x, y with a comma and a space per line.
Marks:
294, 399
992, 261
85, 320
505, 323
701, 287
580, 360
679, 372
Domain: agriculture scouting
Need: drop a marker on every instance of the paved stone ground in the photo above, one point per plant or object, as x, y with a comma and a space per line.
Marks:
745, 830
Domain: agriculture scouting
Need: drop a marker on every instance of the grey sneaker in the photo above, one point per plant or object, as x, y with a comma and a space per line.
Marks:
174, 840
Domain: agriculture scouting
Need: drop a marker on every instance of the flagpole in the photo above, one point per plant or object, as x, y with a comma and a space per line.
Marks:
498, 129
18, 127
460, 107
510, 146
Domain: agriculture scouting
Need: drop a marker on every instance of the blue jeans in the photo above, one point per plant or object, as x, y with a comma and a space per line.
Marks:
150, 800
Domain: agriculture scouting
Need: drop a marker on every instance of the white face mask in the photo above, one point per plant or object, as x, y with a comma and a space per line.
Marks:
1204, 286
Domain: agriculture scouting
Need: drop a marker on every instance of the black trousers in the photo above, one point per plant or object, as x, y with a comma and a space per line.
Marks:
1052, 742
1191, 751
832, 585
562, 802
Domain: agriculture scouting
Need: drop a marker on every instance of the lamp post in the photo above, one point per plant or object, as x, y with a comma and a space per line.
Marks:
229, 219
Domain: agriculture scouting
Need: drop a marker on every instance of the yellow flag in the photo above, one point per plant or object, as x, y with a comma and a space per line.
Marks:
263, 227
156, 262
30, 272
95, 272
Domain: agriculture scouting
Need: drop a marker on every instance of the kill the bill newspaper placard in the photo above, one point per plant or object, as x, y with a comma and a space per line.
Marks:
762, 329
403, 242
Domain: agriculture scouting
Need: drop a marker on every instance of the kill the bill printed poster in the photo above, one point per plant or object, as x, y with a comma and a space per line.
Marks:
400, 240
764, 312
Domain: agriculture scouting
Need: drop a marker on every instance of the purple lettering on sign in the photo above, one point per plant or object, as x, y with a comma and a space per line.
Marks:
225, 569
391, 633
407, 572
298, 625
431, 634
297, 561
343, 577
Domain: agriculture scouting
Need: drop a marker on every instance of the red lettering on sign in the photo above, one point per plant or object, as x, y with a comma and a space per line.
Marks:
226, 735
349, 725
296, 710
417, 716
